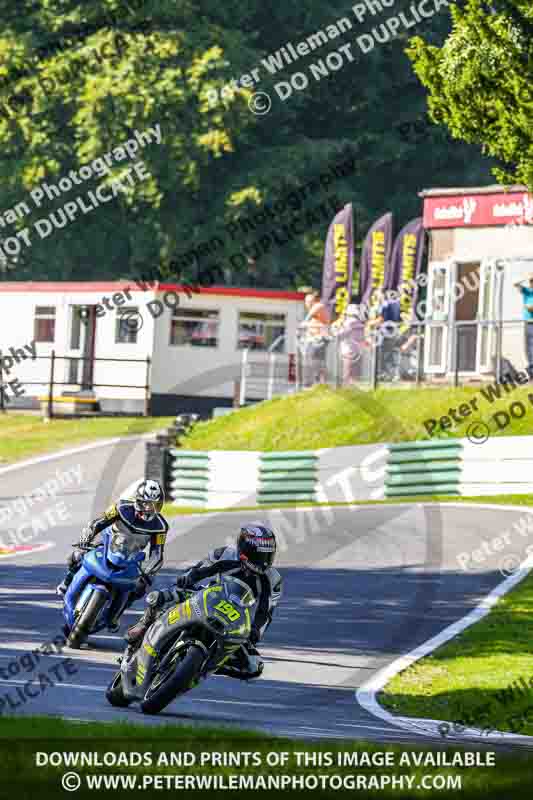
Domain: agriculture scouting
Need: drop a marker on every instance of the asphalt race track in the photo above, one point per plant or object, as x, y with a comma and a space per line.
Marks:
362, 586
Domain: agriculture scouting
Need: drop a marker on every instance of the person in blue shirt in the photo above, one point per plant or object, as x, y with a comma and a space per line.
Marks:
387, 322
527, 316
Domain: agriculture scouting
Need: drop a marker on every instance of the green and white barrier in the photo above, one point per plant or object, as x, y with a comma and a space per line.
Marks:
187, 477
287, 476
226, 479
213, 479
500, 465
417, 468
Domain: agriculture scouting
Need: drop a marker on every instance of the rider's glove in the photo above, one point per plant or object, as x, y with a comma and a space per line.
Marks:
143, 582
183, 581
86, 536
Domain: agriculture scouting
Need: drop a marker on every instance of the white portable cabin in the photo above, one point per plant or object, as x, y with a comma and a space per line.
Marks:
103, 333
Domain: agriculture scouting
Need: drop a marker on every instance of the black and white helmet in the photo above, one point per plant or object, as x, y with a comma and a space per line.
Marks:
256, 547
149, 499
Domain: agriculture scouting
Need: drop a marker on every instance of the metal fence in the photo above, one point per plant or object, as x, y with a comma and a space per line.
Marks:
429, 353
80, 369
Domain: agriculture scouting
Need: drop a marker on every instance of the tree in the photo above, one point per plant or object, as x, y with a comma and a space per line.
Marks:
79, 78
480, 82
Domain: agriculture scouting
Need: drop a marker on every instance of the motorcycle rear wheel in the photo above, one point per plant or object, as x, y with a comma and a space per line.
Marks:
84, 623
115, 694
175, 681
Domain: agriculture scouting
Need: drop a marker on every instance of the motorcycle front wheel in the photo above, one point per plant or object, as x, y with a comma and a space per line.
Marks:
85, 622
115, 693
174, 680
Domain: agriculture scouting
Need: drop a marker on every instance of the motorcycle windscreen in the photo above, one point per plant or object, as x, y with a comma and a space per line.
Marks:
125, 546
238, 592
230, 603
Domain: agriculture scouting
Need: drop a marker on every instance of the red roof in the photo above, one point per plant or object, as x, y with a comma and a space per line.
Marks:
118, 286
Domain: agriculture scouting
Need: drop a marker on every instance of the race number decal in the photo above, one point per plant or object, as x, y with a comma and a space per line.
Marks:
161, 538
174, 615
228, 610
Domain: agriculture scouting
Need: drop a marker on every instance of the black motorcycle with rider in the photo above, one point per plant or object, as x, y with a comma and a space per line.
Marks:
208, 622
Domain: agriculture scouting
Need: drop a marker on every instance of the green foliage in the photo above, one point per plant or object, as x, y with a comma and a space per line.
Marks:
472, 677
326, 417
79, 78
481, 82
24, 435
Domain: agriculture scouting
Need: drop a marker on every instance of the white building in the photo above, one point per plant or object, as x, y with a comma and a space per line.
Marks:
482, 239
195, 342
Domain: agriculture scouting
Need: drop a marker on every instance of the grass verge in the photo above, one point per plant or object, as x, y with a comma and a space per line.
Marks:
483, 677
23, 436
147, 755
324, 417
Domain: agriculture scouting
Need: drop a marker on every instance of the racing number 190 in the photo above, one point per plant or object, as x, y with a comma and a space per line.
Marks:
227, 609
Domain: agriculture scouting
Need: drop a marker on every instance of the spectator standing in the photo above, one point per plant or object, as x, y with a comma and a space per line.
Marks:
347, 329
314, 339
387, 322
527, 315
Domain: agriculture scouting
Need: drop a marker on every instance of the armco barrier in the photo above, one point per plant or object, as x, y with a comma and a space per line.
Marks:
287, 476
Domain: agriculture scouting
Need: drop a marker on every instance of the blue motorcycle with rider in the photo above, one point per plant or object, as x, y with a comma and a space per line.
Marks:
104, 579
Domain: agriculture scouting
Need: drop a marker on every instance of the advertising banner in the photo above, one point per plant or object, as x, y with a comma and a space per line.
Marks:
375, 258
337, 274
405, 266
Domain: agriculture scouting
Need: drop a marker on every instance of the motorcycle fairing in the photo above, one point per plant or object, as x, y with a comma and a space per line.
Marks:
173, 623
93, 572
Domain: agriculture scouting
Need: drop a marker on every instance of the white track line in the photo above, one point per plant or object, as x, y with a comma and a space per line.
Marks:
31, 462
366, 694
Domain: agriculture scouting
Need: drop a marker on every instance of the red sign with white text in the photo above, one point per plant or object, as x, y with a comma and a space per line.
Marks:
464, 211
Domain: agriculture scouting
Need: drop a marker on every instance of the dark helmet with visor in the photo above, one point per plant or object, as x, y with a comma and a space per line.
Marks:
256, 547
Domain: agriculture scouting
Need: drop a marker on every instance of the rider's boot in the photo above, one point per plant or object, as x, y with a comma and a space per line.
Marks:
135, 634
62, 589
116, 612
245, 665
73, 563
